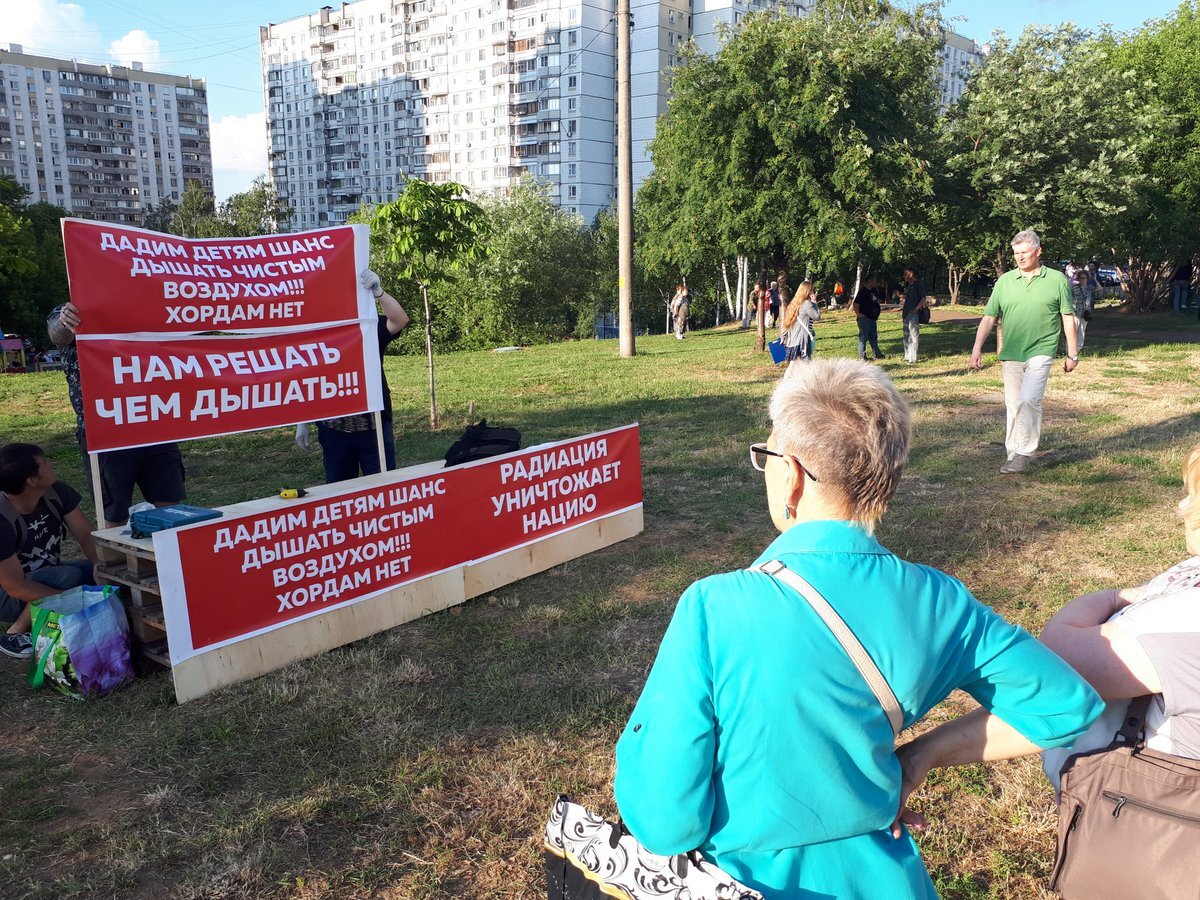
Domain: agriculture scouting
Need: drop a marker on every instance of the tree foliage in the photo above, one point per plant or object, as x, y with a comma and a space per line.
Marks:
1050, 134
160, 216
427, 234
533, 281
196, 216
255, 211
804, 139
1151, 236
33, 274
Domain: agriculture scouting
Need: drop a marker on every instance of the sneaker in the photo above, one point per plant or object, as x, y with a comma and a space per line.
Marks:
1019, 463
18, 646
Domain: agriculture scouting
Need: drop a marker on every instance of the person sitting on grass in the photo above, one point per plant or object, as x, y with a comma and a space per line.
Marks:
1127, 643
35, 510
756, 740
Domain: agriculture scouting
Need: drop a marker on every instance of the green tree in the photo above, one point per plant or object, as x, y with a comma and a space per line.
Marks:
1050, 134
12, 195
426, 231
532, 283
804, 140
160, 216
1152, 235
197, 217
255, 211
953, 228
33, 276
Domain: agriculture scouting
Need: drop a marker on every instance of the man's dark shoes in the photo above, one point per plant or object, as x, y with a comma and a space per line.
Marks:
18, 646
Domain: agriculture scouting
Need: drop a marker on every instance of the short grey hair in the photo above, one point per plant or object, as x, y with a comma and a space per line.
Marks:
1028, 236
846, 422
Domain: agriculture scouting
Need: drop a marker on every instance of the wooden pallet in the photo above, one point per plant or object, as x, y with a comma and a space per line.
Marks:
128, 563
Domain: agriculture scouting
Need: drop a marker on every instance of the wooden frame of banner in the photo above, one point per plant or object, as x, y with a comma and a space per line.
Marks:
198, 675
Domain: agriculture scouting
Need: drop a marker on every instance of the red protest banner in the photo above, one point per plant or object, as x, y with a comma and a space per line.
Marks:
130, 280
139, 392
312, 556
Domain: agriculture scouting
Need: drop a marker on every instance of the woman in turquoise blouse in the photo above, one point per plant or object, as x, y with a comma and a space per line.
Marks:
756, 739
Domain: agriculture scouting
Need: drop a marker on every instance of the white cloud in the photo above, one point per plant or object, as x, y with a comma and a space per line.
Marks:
53, 28
137, 46
240, 142
239, 148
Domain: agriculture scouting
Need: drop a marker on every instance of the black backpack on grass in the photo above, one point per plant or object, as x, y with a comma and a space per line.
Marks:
480, 441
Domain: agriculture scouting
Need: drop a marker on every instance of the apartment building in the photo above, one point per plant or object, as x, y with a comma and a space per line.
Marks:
959, 55
105, 142
363, 95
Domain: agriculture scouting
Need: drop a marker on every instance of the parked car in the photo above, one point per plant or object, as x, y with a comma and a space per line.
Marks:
1108, 277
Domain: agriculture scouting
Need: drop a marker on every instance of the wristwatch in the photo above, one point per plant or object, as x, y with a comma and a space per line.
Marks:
1074, 358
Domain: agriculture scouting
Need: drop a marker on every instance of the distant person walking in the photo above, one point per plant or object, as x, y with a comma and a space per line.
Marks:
914, 301
773, 300
753, 304
1181, 286
867, 308
679, 310
798, 335
1035, 303
1081, 304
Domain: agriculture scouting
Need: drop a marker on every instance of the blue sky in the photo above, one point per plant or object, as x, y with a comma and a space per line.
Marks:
218, 41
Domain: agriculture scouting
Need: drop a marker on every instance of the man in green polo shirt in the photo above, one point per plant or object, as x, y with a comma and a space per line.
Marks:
1035, 305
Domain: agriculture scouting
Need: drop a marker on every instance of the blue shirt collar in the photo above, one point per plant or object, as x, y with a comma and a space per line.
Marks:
825, 536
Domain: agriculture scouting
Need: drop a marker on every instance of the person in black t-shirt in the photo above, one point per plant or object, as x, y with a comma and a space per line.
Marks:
35, 509
914, 301
866, 310
348, 444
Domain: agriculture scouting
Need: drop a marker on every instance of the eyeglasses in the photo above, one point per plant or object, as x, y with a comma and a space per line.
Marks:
760, 452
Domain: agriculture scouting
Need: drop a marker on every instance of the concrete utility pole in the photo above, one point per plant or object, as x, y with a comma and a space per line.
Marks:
624, 180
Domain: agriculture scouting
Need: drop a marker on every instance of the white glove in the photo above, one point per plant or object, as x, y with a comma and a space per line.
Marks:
303, 437
371, 282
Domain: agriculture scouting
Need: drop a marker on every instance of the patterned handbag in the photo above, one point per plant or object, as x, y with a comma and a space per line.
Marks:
588, 858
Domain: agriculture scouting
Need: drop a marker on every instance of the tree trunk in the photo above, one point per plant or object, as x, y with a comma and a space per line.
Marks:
433, 416
857, 283
999, 261
743, 291
760, 339
728, 294
954, 277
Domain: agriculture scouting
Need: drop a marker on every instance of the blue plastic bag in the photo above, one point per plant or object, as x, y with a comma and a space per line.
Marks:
80, 642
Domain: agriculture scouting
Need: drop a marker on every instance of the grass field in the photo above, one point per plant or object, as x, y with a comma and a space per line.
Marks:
421, 763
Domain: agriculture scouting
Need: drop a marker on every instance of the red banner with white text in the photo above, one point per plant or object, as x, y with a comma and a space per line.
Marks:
185, 338
126, 280
139, 392
235, 577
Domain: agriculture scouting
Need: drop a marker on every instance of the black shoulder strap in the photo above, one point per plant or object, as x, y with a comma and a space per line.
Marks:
1133, 729
10, 515
54, 501
8, 512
